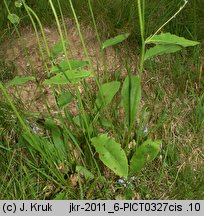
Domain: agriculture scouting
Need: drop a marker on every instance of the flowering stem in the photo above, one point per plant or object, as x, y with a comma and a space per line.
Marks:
179, 10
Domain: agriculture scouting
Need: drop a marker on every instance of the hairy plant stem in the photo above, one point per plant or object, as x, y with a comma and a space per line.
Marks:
141, 5
99, 41
141, 14
27, 56
65, 29
172, 17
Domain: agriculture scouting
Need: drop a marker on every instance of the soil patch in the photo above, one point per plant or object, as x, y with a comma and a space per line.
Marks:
14, 52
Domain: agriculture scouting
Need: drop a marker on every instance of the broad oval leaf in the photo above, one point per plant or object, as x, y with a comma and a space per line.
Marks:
115, 40
168, 38
13, 18
64, 66
108, 91
161, 49
68, 76
20, 80
111, 154
144, 153
131, 96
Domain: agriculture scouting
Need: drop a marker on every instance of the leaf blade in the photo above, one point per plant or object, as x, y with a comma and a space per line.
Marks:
115, 40
111, 154
131, 97
58, 143
68, 76
168, 38
58, 48
161, 49
64, 66
144, 153
108, 91
86, 173
20, 80
64, 99
13, 18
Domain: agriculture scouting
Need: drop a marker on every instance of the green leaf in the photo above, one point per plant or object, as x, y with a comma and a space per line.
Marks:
105, 122
56, 136
18, 3
58, 48
78, 120
161, 49
131, 96
167, 38
64, 99
38, 143
4, 148
108, 91
111, 154
115, 40
14, 19
46, 149
20, 80
144, 153
167, 43
86, 173
60, 196
64, 66
68, 76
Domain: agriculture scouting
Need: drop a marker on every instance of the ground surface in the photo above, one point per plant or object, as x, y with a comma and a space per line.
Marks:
14, 52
